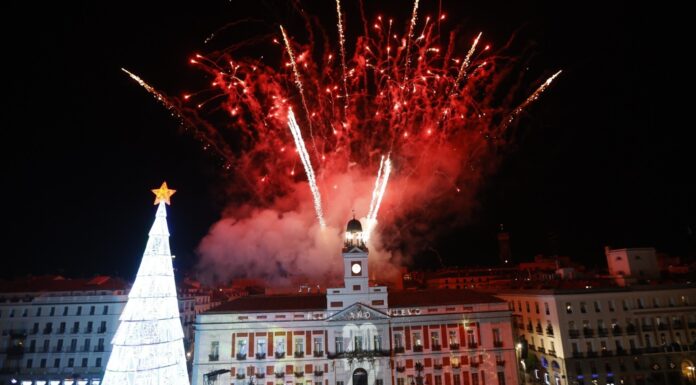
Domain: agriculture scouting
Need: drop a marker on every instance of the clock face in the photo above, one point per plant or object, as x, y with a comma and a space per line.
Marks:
356, 268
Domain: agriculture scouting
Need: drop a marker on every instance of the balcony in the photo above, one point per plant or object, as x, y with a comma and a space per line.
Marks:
34, 330
399, 349
260, 356
498, 344
61, 330
299, 374
588, 333
88, 330
652, 350
530, 328
15, 351
607, 353
647, 328
616, 330
474, 364
436, 348
99, 348
101, 330
279, 355
47, 330
591, 354
577, 354
549, 331
318, 373
692, 325
400, 369
472, 345
279, 375
418, 367
437, 366
417, 348
602, 332
539, 330
241, 356
621, 352
74, 330
454, 346
677, 325
630, 329
636, 351
572, 333
541, 349
298, 354
552, 353
500, 362
318, 353
213, 357
662, 326
456, 366
241, 376
260, 375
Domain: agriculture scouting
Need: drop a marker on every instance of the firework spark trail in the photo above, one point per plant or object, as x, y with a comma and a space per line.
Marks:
465, 64
342, 43
300, 88
306, 162
533, 97
380, 188
412, 26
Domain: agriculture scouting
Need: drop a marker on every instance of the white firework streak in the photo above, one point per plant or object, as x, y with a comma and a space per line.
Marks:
304, 156
377, 195
342, 42
412, 25
534, 96
467, 60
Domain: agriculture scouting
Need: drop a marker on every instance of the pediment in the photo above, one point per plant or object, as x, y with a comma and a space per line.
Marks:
358, 312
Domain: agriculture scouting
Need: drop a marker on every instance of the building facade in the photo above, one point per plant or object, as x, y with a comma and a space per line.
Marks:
637, 335
358, 334
58, 331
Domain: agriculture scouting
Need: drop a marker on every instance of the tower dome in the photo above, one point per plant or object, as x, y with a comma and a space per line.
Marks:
354, 234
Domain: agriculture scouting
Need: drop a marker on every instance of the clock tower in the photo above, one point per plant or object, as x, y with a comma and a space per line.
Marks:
356, 287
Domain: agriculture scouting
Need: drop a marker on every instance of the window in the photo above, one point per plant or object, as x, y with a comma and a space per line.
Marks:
105, 310
357, 343
435, 339
56, 363
639, 303
496, 337
59, 346
470, 339
98, 362
377, 342
501, 378
625, 304
280, 345
91, 310
102, 327
456, 379
611, 305
536, 307
299, 345
378, 381
583, 307
241, 347
30, 362
84, 362
42, 363
400, 381
76, 327
546, 308
71, 362
452, 337
73, 345
597, 308
438, 380
214, 351
339, 343
25, 312
527, 303
79, 310
38, 312
417, 341
656, 302
519, 306
474, 379
261, 345
569, 308
52, 312
65, 310
87, 343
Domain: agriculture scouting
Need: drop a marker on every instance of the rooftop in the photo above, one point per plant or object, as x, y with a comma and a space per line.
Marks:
310, 302
57, 283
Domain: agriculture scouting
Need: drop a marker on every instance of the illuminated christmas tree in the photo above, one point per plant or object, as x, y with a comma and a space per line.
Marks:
148, 347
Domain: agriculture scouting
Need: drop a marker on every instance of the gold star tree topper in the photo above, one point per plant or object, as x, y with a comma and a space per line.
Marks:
163, 194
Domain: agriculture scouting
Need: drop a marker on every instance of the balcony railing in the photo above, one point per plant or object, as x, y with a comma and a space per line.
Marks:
99, 348
260, 375
101, 330
88, 330
541, 350
47, 330
61, 330
260, 356
318, 373
616, 330
417, 348
607, 353
552, 353
399, 349
472, 345
456, 366
677, 325
279, 355
500, 362
572, 333
630, 329
74, 330
436, 348
549, 331
400, 369
279, 375
498, 344
577, 354
530, 328
602, 332
587, 332
241, 356
437, 366
241, 376
299, 374
213, 357
620, 352
318, 353
647, 328
662, 326
539, 330
474, 364
636, 351
454, 346
591, 354
298, 354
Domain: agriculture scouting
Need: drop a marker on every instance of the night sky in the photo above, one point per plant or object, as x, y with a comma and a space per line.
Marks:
604, 158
